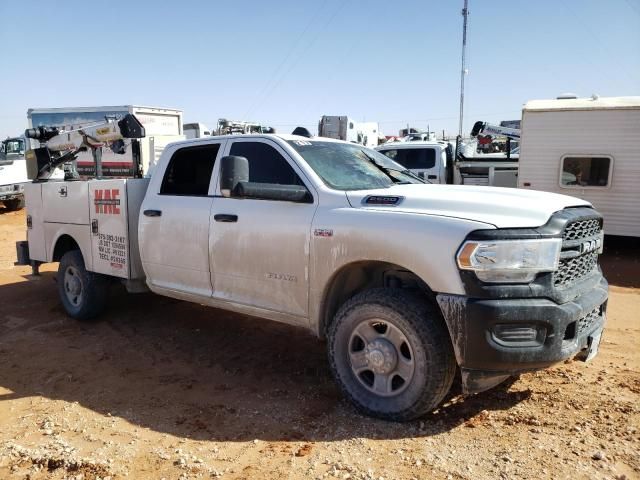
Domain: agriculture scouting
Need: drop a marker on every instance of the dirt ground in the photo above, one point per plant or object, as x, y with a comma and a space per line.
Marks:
159, 388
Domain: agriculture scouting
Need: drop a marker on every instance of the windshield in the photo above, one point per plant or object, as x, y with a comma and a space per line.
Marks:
13, 146
349, 166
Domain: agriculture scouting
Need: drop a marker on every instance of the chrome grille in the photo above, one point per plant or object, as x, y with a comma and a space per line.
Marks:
582, 229
573, 269
586, 322
570, 270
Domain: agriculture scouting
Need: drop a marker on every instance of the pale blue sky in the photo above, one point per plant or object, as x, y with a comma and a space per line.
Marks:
287, 63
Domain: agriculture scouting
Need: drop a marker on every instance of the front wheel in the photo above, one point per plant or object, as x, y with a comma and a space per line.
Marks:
83, 294
391, 354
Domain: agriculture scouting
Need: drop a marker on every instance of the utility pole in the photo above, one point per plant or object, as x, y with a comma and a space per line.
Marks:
463, 71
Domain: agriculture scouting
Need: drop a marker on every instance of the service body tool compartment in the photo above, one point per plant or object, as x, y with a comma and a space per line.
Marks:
35, 221
65, 202
114, 207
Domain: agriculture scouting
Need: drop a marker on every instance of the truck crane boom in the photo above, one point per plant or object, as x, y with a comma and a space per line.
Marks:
484, 128
61, 146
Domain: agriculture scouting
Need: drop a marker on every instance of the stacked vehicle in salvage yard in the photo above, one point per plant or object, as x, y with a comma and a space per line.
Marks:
331, 236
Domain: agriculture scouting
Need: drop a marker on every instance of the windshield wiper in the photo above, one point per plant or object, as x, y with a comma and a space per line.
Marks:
387, 171
413, 175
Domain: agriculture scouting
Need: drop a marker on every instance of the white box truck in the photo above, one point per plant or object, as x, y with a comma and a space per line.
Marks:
195, 130
587, 148
163, 126
347, 129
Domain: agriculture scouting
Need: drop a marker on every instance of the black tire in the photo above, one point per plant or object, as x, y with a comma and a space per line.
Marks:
424, 341
83, 294
14, 204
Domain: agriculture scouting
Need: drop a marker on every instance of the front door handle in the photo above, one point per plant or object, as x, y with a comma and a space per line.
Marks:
153, 213
432, 177
225, 217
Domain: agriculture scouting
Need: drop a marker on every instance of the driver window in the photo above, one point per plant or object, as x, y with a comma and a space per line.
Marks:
189, 171
266, 165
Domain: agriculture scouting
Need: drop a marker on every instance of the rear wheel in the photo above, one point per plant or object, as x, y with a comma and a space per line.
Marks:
83, 294
14, 204
391, 354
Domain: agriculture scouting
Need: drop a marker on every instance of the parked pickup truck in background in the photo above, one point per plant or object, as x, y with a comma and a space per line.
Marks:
406, 281
434, 161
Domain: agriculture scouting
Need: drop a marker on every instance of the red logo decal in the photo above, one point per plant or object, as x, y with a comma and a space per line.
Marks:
107, 201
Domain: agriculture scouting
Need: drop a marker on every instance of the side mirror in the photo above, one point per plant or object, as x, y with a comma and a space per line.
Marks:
233, 170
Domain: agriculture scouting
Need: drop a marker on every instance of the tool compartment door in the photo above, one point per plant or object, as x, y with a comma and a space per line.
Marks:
109, 227
35, 228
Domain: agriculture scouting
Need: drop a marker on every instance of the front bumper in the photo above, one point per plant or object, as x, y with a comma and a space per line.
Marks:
496, 338
9, 192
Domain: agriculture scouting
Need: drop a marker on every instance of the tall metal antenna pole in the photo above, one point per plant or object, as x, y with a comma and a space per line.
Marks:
465, 14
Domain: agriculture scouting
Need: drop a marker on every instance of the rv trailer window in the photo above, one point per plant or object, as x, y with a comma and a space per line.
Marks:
578, 171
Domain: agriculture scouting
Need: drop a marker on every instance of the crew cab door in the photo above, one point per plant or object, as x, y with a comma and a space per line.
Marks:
174, 221
424, 161
260, 248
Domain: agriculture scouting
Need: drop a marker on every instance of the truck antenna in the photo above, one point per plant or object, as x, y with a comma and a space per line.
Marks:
463, 71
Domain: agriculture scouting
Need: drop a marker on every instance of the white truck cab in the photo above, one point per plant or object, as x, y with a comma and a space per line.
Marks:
430, 160
331, 236
13, 173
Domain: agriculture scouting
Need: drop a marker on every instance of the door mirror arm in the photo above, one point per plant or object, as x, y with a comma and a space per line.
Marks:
272, 191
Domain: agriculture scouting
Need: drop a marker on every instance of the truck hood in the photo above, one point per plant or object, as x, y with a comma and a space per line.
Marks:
15, 172
501, 207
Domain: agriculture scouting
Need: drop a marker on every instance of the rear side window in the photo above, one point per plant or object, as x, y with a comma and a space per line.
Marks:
266, 165
579, 171
189, 171
413, 158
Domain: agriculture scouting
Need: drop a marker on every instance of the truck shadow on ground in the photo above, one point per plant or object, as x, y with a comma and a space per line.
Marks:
192, 371
4, 210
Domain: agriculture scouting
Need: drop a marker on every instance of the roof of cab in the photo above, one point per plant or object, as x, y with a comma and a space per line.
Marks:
283, 136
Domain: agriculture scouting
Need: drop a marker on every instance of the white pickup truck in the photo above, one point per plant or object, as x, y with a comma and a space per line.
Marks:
433, 161
407, 281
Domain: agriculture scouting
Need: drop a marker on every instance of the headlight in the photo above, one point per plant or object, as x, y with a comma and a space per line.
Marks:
509, 261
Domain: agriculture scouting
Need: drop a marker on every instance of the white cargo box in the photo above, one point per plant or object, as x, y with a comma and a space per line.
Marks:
102, 215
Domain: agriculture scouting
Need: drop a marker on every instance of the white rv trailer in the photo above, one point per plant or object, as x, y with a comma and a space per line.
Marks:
587, 148
162, 126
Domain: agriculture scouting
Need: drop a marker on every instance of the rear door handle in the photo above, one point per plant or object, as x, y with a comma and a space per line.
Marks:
225, 217
153, 213
432, 177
